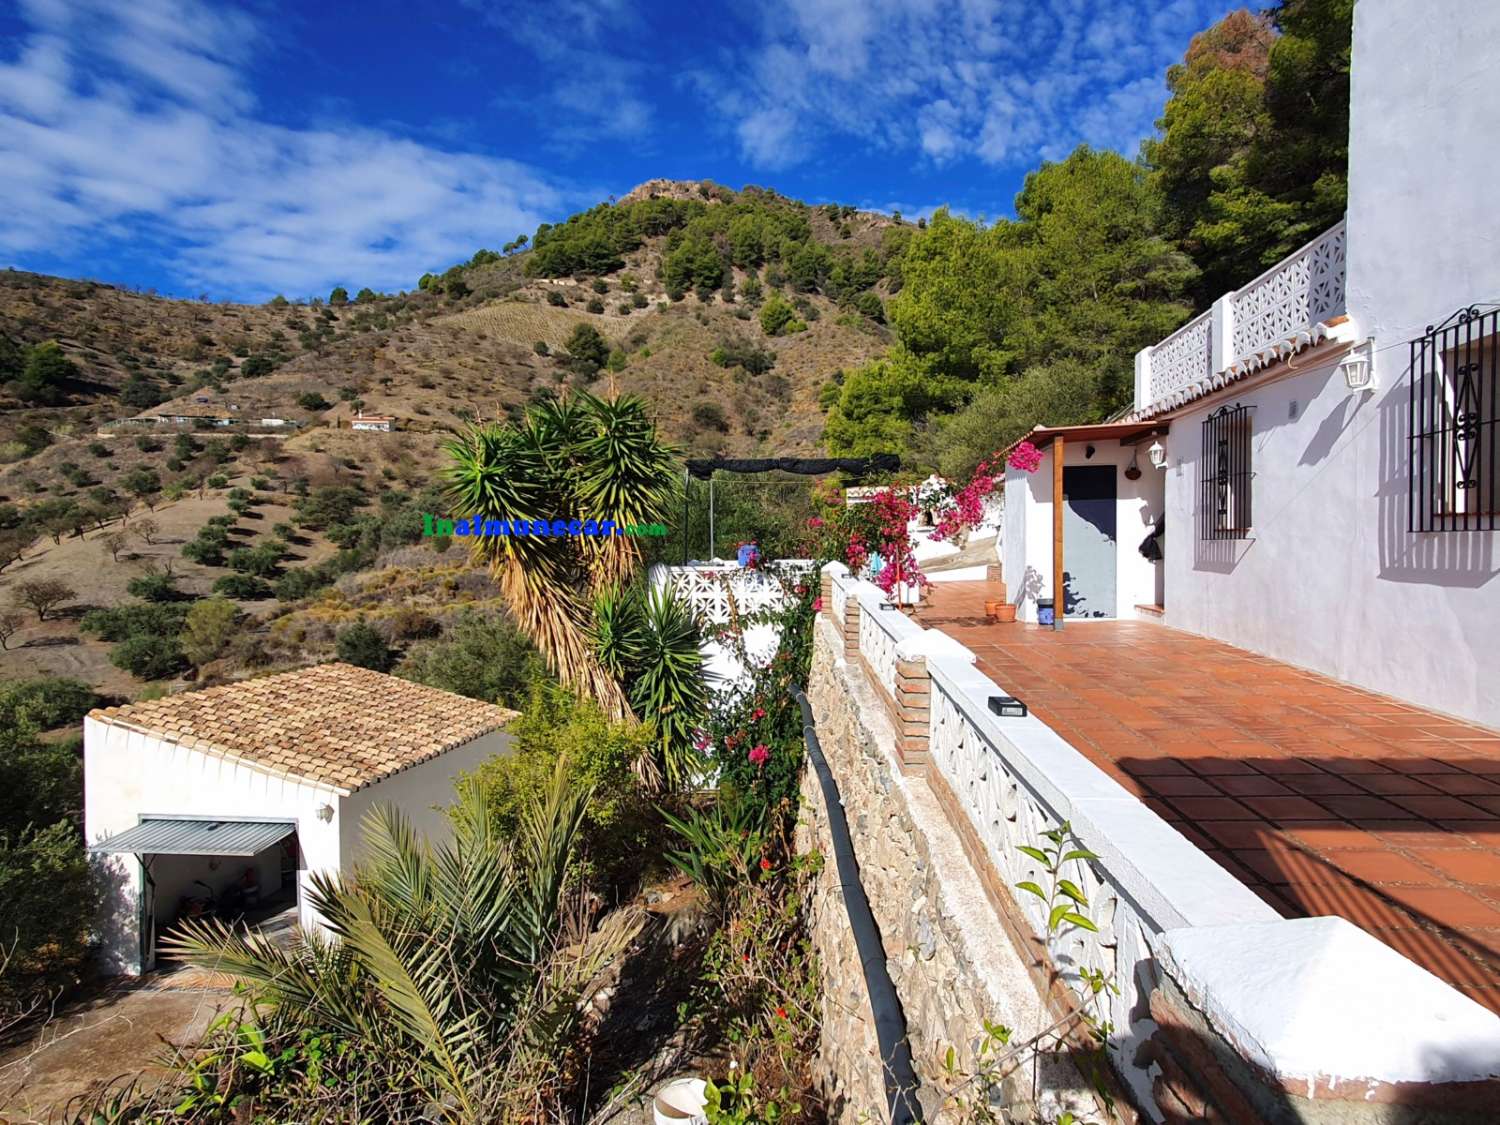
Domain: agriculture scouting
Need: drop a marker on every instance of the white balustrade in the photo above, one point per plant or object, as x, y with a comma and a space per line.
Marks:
1301, 291
1183, 358
709, 589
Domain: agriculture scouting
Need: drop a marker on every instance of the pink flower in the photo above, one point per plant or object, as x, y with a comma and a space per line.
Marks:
765, 864
758, 713
701, 742
760, 755
815, 522
818, 605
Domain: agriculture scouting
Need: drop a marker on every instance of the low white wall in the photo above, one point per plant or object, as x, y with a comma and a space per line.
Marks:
128, 774
1027, 542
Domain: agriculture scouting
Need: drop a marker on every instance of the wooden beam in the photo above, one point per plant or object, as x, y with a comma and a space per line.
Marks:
1059, 450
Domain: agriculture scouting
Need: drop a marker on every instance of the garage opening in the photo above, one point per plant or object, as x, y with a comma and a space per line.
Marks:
243, 872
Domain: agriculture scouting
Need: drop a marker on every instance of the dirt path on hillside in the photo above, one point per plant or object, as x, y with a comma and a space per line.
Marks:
120, 1034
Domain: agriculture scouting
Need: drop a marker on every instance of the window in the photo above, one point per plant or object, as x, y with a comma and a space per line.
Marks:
1224, 504
1453, 391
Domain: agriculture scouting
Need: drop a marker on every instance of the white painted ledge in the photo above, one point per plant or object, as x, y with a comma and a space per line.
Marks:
1319, 1001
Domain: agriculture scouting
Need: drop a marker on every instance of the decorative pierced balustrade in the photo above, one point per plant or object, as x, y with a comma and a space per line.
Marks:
1253, 325
1301, 290
880, 632
710, 589
1183, 358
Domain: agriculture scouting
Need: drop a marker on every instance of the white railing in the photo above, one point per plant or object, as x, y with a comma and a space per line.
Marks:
710, 588
1301, 291
881, 631
1183, 358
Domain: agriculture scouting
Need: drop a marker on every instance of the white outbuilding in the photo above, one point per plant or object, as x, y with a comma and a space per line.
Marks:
232, 798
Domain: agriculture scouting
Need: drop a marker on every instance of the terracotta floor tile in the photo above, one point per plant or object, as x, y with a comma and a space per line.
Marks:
1381, 866
1395, 784
1237, 833
1347, 899
1447, 906
1444, 808
1287, 808
1221, 767
1364, 806
1211, 808
1172, 786
1252, 785
1463, 784
1322, 784
1331, 837
1473, 866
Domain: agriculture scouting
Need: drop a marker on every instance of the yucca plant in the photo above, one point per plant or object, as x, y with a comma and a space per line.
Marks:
581, 458
448, 966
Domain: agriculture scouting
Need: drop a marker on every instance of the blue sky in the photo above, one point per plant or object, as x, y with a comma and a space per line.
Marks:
244, 149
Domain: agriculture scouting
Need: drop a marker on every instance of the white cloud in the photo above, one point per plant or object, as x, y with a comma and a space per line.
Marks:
1003, 81
135, 122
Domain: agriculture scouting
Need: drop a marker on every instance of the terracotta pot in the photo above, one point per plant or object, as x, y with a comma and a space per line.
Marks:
1007, 613
992, 609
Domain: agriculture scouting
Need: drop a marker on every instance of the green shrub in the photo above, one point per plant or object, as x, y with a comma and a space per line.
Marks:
245, 587
154, 587
47, 702
218, 480
556, 299
621, 823
486, 658
363, 646
121, 622
149, 656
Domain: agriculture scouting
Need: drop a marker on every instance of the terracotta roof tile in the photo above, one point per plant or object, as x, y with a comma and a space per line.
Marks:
332, 723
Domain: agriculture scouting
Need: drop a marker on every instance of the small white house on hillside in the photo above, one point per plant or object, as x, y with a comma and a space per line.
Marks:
258, 785
1328, 435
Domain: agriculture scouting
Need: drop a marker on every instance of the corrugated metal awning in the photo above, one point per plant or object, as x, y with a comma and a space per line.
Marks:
197, 837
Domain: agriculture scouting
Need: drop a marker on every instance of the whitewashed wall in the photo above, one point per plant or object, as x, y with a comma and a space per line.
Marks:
1331, 579
422, 793
128, 774
1027, 543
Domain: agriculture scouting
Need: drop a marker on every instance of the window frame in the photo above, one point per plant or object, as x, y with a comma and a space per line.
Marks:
1226, 494
1454, 425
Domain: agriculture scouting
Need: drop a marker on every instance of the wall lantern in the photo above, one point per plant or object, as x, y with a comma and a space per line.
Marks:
1158, 454
1359, 367
325, 813
1007, 707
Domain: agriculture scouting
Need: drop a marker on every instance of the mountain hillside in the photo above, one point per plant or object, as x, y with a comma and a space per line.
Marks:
676, 297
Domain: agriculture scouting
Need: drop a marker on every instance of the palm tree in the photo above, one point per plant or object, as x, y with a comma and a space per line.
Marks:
448, 968
583, 458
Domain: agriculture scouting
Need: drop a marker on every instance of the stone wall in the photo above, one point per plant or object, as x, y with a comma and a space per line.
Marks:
953, 964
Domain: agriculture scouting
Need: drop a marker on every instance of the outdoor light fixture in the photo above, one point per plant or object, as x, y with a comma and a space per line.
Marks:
888, 605
1359, 367
1158, 454
325, 813
1007, 706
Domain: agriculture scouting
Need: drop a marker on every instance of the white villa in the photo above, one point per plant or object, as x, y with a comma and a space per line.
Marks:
1322, 444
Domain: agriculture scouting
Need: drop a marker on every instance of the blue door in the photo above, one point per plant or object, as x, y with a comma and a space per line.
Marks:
1089, 541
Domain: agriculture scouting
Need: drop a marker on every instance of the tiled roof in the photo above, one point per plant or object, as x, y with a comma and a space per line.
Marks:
336, 724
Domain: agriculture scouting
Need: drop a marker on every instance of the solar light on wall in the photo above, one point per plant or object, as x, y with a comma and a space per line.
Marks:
887, 605
1007, 707
1359, 367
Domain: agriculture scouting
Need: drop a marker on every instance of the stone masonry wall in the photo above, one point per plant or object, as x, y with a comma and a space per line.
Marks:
953, 964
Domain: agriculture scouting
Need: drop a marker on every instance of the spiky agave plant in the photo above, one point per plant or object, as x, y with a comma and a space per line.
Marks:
448, 960
649, 641
576, 458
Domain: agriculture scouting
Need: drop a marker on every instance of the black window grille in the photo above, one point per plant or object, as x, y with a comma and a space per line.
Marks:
1453, 391
1224, 506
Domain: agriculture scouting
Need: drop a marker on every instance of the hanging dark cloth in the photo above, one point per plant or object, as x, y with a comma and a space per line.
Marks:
704, 468
1151, 546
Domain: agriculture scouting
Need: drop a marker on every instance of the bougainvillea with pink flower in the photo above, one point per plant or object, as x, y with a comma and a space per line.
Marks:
1025, 456
967, 510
